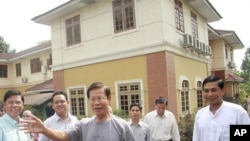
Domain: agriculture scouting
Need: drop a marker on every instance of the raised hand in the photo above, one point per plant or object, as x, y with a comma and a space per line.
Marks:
32, 125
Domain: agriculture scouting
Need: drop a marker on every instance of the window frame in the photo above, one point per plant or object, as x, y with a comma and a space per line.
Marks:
140, 92
179, 17
3, 71
78, 105
18, 70
35, 65
73, 30
194, 25
200, 100
184, 96
120, 12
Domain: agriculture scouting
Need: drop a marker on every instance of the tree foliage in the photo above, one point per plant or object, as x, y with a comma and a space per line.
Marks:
245, 74
245, 66
42, 42
5, 47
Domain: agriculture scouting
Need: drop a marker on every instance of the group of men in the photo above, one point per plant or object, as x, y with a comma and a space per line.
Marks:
211, 122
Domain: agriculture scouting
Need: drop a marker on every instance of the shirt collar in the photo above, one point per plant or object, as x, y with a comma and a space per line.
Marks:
59, 118
10, 120
131, 124
163, 116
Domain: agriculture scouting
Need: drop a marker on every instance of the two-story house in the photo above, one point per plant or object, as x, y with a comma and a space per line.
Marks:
224, 43
25, 71
140, 48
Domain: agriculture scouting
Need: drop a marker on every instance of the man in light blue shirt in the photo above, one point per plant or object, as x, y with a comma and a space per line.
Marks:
140, 129
9, 129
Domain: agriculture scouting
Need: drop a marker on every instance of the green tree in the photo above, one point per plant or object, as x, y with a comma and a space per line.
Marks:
42, 42
5, 47
245, 66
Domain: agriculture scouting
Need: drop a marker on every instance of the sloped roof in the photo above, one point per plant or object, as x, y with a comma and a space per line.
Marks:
6, 56
37, 99
22, 54
205, 9
63, 9
229, 36
45, 86
233, 78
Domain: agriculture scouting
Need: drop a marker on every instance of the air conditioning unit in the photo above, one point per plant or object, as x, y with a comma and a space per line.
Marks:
202, 47
24, 79
208, 50
231, 64
188, 40
196, 44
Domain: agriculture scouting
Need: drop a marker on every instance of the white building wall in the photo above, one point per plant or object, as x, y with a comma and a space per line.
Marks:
155, 31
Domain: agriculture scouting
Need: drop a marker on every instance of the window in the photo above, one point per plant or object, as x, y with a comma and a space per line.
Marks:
185, 96
73, 31
124, 15
194, 25
226, 51
35, 65
18, 69
179, 20
3, 71
199, 95
77, 102
49, 62
231, 54
128, 93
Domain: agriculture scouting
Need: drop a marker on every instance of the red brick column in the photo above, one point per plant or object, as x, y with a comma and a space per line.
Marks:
161, 79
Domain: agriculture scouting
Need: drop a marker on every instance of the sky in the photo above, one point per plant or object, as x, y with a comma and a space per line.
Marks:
17, 28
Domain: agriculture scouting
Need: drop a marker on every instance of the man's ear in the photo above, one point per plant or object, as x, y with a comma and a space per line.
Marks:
109, 97
223, 90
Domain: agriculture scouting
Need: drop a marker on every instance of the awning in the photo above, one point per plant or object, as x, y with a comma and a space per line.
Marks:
45, 86
233, 78
37, 99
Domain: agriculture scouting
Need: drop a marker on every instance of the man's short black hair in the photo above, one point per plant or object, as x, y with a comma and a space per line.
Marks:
98, 85
10, 93
59, 93
213, 78
161, 100
135, 104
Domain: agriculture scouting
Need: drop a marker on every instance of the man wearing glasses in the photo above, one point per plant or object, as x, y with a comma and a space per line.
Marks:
103, 126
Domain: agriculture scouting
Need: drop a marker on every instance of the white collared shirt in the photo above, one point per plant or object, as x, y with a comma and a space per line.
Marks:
162, 128
216, 127
55, 122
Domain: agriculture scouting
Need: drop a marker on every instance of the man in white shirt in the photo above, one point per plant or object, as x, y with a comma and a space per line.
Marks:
61, 119
212, 123
162, 123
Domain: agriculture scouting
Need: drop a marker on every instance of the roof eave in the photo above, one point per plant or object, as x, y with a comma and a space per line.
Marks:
205, 8
230, 37
31, 53
61, 10
236, 45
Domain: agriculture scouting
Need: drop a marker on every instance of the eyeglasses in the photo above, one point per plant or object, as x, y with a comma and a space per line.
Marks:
98, 99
